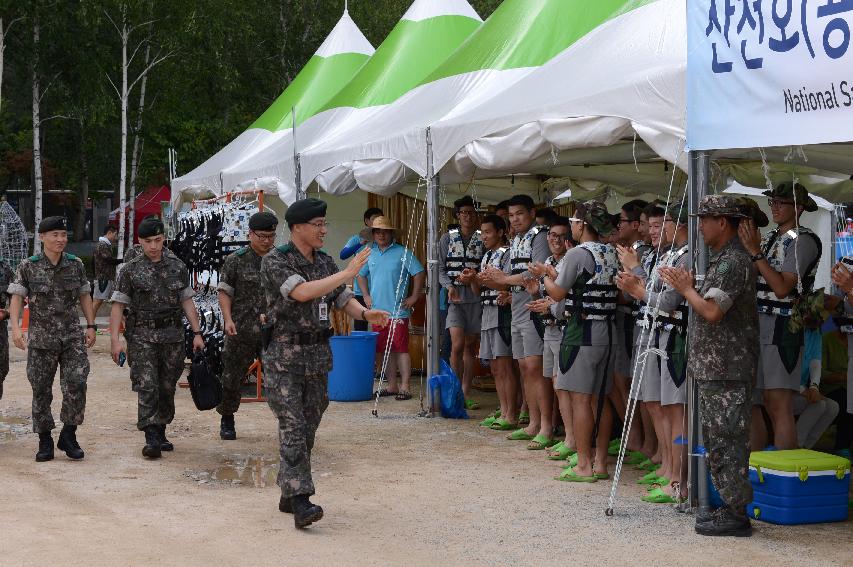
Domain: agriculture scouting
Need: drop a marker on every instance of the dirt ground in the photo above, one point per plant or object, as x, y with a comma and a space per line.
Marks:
397, 490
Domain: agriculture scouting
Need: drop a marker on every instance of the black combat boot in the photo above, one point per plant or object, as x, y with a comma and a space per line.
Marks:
165, 444
68, 442
284, 505
226, 428
152, 442
725, 522
45, 452
304, 512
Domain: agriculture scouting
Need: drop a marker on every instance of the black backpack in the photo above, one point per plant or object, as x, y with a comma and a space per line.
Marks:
204, 387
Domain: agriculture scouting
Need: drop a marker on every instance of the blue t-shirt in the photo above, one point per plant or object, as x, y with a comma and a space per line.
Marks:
383, 276
351, 248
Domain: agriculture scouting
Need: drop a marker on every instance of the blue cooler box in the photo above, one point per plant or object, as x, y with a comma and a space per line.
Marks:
799, 486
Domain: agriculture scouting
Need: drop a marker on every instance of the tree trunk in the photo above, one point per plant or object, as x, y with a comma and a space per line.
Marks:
83, 193
137, 147
122, 180
37, 171
2, 49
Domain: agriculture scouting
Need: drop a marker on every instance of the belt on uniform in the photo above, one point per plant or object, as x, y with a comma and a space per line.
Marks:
153, 323
306, 338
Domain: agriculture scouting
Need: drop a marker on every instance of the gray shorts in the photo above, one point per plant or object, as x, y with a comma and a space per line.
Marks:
551, 359
526, 340
591, 365
648, 389
670, 394
492, 345
467, 316
104, 295
772, 374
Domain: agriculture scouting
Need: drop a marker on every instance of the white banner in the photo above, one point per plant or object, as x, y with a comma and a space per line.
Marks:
769, 73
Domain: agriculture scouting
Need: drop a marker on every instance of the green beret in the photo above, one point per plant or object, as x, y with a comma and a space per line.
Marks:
304, 211
53, 223
263, 221
150, 226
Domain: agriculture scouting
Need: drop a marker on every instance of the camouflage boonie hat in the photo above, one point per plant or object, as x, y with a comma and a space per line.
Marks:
796, 193
678, 213
750, 208
594, 213
719, 206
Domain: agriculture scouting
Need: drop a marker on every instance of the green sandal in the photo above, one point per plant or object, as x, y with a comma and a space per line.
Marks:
659, 482
658, 496
571, 461
472, 405
634, 457
602, 476
500, 424
524, 418
651, 478
540, 442
569, 475
488, 421
560, 452
651, 475
647, 465
519, 435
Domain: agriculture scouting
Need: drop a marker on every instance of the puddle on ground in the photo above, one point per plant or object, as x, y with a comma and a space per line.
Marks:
253, 471
12, 427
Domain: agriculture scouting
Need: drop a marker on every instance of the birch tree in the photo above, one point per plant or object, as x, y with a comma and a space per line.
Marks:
37, 171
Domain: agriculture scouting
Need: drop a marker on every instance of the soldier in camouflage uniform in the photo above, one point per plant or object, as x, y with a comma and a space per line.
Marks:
723, 353
156, 288
56, 285
6, 277
242, 300
105, 266
302, 284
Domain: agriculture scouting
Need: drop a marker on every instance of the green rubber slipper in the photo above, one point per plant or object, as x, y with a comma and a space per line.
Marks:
560, 452
647, 465
524, 418
497, 413
652, 479
616, 442
602, 476
472, 405
658, 496
488, 421
651, 475
613, 451
569, 475
540, 442
634, 457
519, 435
571, 461
500, 424
659, 482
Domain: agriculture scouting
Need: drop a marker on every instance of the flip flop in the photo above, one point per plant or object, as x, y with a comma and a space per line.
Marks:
488, 421
560, 452
634, 457
519, 435
403, 395
500, 424
647, 465
651, 475
616, 442
613, 450
571, 461
652, 479
524, 418
540, 442
661, 481
569, 475
658, 496
384, 393
472, 405
602, 476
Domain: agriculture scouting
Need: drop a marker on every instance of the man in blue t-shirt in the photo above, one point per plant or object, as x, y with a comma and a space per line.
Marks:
353, 245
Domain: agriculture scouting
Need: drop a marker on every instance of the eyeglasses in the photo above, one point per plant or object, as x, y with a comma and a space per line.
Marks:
319, 225
467, 213
558, 236
264, 236
778, 202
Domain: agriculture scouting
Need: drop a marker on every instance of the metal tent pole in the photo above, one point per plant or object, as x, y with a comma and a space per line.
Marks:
432, 316
297, 167
699, 171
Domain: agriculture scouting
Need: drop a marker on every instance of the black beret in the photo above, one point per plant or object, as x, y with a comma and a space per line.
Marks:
304, 210
150, 226
53, 223
263, 221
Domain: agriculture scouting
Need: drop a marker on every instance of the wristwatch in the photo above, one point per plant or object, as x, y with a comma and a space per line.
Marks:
92, 326
198, 333
757, 257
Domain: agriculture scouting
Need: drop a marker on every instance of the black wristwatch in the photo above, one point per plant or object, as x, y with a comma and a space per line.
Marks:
92, 326
757, 257
198, 333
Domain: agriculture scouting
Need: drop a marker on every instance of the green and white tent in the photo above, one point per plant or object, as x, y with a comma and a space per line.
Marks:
337, 60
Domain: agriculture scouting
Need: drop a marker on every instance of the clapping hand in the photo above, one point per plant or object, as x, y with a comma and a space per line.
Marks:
627, 257
631, 284
842, 277
750, 237
467, 276
532, 286
542, 306
678, 279
491, 275
504, 298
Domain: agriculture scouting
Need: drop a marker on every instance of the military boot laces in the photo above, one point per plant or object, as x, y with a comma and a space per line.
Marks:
152, 442
304, 512
725, 522
284, 505
45, 452
165, 444
68, 442
226, 428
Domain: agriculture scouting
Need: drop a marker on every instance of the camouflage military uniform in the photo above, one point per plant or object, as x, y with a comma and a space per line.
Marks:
240, 278
723, 361
55, 336
298, 360
105, 266
154, 292
6, 277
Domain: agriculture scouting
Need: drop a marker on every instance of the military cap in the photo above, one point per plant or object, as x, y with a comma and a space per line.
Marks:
263, 221
304, 210
678, 212
720, 206
594, 213
750, 208
53, 223
794, 192
150, 226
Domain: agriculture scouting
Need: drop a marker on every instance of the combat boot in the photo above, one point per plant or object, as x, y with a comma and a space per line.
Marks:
725, 522
68, 442
152, 442
165, 444
284, 505
45, 452
226, 428
304, 512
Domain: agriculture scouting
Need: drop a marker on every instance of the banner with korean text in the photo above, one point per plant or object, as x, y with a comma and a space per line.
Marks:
769, 73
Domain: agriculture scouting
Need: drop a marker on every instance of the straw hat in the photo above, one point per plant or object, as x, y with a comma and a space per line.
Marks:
382, 223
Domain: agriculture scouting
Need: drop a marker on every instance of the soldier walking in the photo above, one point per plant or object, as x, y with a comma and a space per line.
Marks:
56, 284
723, 351
156, 288
242, 300
302, 284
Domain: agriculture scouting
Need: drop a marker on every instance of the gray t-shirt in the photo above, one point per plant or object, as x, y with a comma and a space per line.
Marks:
466, 294
520, 314
576, 261
490, 312
806, 253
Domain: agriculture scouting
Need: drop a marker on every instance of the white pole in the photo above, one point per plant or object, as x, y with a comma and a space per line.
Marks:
432, 314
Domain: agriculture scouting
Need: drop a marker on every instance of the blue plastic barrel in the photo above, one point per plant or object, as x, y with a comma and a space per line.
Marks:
353, 356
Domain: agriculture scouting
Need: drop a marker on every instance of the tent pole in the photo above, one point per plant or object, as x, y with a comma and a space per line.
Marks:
698, 174
432, 315
297, 167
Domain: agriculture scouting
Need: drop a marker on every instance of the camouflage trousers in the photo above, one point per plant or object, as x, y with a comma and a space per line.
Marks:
725, 411
298, 401
237, 355
4, 355
154, 372
73, 372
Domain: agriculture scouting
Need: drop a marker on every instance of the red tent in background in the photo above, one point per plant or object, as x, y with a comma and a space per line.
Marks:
147, 203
